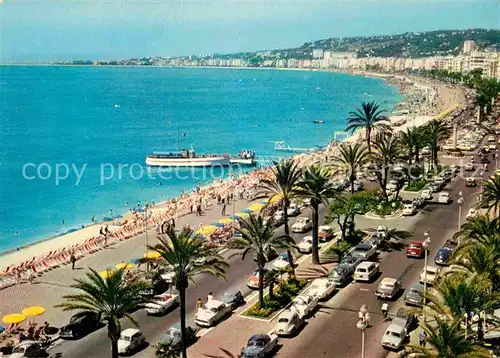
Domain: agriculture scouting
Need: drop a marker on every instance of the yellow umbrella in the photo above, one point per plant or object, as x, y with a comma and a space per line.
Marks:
256, 206
275, 198
13, 318
125, 265
107, 273
208, 229
242, 214
152, 255
33, 311
225, 221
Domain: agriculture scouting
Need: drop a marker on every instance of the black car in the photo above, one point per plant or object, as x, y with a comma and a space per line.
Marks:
233, 299
172, 338
443, 256
405, 319
341, 275
156, 286
80, 325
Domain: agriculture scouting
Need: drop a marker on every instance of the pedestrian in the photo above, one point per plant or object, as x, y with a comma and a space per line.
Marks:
191, 208
223, 209
210, 296
385, 309
72, 259
199, 304
173, 223
422, 338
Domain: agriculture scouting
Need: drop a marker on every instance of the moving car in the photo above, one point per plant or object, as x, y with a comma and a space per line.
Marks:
160, 304
305, 246
130, 340
469, 167
341, 275
325, 233
388, 288
278, 218
304, 304
394, 336
470, 182
281, 262
426, 194
293, 210
234, 299
321, 288
253, 280
432, 273
288, 323
212, 312
405, 319
79, 325
366, 271
443, 256
260, 346
472, 212
27, 349
351, 260
413, 295
302, 224
491, 139
172, 338
409, 209
365, 250
383, 231
415, 249
444, 197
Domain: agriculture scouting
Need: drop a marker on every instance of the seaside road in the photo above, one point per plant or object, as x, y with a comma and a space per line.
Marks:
333, 332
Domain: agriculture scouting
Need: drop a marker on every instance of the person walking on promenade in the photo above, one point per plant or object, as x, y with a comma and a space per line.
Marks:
223, 209
199, 304
72, 259
385, 309
422, 338
210, 296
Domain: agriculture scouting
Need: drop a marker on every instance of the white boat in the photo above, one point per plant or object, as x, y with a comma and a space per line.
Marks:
245, 157
186, 158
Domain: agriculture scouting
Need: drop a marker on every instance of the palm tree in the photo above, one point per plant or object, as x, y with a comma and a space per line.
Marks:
285, 176
316, 187
187, 255
411, 142
447, 340
344, 208
351, 158
110, 298
387, 153
369, 117
491, 194
478, 229
433, 133
259, 239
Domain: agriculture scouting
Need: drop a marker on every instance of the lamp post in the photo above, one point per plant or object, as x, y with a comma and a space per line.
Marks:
425, 246
146, 207
460, 202
496, 159
363, 323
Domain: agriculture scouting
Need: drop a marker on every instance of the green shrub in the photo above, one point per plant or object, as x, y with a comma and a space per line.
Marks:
416, 185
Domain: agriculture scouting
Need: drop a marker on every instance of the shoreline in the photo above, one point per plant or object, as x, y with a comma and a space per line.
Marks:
79, 236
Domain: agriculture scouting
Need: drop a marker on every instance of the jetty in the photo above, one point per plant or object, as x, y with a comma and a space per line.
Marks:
281, 147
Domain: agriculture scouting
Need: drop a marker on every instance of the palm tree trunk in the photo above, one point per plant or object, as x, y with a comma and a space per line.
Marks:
368, 139
315, 219
287, 233
262, 304
182, 312
114, 348
114, 331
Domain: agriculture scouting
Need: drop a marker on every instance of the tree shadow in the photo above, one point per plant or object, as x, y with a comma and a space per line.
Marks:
312, 272
227, 354
390, 246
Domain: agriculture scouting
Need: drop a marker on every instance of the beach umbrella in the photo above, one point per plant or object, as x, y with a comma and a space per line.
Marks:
208, 229
275, 198
13, 318
152, 255
125, 265
226, 221
247, 211
136, 261
107, 218
256, 206
235, 217
217, 224
107, 273
242, 214
265, 201
2, 328
33, 311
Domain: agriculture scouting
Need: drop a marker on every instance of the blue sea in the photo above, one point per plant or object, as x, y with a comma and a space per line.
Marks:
95, 125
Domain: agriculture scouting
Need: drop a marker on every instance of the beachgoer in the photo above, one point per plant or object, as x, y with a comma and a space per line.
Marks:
31, 275
210, 296
18, 276
72, 259
422, 338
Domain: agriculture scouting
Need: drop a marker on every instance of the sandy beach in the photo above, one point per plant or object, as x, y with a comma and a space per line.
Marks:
56, 251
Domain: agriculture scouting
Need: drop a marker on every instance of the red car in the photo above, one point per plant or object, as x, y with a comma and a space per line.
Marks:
415, 249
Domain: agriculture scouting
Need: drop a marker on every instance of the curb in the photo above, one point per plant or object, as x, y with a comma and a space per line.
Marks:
395, 216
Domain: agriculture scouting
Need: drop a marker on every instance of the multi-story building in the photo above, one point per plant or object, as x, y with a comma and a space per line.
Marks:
469, 46
317, 53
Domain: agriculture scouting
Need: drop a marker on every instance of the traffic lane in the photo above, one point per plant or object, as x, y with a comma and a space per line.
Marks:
341, 327
153, 327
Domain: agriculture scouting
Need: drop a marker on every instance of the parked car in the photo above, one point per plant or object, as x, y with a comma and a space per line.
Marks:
80, 325
161, 304
444, 197
321, 288
325, 233
471, 213
212, 312
394, 336
281, 262
28, 349
443, 256
157, 285
426, 194
469, 167
415, 249
172, 338
278, 218
383, 231
342, 274
302, 224
351, 260
233, 298
432, 273
130, 340
433, 187
260, 346
293, 210
366, 271
470, 182
304, 304
409, 209
388, 288
375, 239
413, 295
288, 323
253, 280
405, 319
305, 246
365, 250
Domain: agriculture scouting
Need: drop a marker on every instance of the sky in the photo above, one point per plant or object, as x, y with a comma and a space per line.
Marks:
52, 30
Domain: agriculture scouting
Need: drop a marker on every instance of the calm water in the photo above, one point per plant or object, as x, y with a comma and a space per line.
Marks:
93, 118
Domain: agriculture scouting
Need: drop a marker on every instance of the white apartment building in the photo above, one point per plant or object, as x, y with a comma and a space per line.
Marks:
469, 46
317, 53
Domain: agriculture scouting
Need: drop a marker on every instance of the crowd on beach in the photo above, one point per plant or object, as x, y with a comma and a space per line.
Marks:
221, 194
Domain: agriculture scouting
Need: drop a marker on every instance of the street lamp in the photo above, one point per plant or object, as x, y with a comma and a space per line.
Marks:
363, 323
425, 246
496, 159
460, 202
146, 207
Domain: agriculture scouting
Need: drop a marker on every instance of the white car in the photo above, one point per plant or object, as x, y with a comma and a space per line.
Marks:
426, 194
281, 262
409, 209
491, 139
469, 167
432, 273
304, 304
321, 288
287, 323
394, 336
293, 210
305, 246
160, 304
472, 212
169, 275
211, 313
130, 340
383, 231
444, 197
492, 146
302, 225
365, 250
